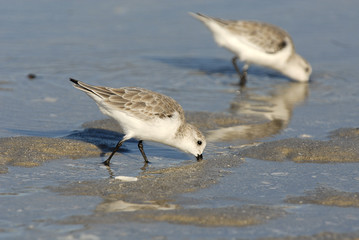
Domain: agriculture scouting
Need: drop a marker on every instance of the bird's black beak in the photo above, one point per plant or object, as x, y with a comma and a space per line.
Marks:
199, 157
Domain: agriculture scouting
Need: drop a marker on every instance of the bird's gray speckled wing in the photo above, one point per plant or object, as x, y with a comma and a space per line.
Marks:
138, 102
263, 36
144, 103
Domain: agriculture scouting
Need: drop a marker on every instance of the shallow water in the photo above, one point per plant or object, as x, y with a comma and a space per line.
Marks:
159, 46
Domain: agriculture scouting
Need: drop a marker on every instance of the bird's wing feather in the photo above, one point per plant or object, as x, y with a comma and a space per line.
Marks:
138, 102
143, 103
262, 36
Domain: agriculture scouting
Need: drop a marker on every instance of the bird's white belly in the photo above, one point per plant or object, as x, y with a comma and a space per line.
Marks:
158, 130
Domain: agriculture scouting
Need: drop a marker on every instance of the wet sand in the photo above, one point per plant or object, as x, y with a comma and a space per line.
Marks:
203, 217
32, 151
160, 189
341, 148
327, 196
100, 136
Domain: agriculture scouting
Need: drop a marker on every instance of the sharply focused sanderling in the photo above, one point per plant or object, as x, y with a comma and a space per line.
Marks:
146, 115
258, 43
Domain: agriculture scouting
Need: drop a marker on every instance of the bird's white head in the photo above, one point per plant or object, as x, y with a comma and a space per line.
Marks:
189, 139
297, 68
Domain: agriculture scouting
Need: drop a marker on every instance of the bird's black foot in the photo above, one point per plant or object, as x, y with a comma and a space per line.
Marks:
145, 165
106, 163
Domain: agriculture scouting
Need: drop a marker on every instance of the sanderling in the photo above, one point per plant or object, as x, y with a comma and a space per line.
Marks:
258, 43
146, 116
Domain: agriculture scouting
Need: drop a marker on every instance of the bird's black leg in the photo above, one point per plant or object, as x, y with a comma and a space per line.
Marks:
234, 59
107, 162
140, 146
242, 76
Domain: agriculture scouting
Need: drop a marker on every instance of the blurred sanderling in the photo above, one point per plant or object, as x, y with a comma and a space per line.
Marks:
258, 43
146, 116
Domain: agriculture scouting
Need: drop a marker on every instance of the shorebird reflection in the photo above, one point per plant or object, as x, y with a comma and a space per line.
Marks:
272, 112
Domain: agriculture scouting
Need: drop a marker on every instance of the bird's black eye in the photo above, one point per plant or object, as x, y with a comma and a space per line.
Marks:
199, 142
307, 69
